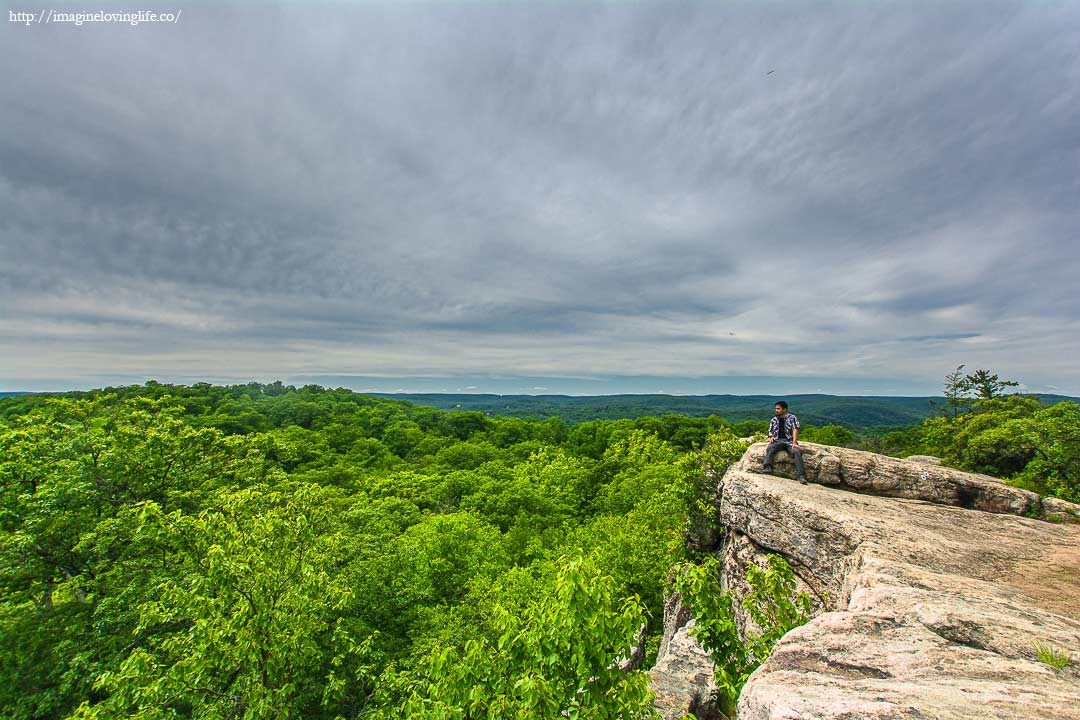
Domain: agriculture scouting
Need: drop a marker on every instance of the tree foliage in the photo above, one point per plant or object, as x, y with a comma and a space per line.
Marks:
251, 606
986, 385
263, 551
1014, 437
957, 387
772, 604
533, 663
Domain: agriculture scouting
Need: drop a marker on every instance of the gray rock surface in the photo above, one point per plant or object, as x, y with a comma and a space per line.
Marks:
924, 459
891, 477
933, 585
936, 608
1061, 511
683, 675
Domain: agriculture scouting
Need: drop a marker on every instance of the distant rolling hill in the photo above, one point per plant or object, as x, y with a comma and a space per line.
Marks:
850, 411
854, 411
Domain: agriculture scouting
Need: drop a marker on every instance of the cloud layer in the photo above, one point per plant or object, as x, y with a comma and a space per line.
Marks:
870, 192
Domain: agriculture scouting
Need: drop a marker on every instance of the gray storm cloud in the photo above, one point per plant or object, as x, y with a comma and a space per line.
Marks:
864, 190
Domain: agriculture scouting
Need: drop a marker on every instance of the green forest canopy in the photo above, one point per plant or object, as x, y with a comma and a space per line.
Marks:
265, 551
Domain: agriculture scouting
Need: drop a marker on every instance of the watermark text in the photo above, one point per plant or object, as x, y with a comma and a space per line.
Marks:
133, 17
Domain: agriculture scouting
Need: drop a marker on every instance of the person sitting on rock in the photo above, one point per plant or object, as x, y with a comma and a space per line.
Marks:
784, 435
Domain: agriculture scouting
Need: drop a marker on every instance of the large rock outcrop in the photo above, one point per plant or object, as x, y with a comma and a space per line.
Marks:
934, 587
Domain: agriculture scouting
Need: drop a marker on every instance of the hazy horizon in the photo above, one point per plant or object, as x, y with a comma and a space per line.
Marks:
631, 197
571, 387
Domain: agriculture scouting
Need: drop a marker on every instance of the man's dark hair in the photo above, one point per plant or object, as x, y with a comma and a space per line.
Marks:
782, 403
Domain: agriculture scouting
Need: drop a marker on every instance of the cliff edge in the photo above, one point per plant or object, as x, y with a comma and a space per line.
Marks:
933, 587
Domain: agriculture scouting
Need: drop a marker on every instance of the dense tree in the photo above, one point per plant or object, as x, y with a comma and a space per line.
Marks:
1054, 434
534, 663
266, 551
72, 573
828, 435
246, 620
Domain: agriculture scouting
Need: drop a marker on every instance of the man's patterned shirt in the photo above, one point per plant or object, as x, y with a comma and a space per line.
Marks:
790, 423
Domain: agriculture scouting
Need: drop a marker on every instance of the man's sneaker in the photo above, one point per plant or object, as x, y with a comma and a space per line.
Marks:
767, 469
802, 479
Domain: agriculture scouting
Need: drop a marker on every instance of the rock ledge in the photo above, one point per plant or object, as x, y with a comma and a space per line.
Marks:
934, 587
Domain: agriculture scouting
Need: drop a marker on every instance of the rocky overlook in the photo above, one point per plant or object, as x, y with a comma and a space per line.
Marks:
933, 587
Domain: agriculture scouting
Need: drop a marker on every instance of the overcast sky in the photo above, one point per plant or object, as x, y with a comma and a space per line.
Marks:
689, 197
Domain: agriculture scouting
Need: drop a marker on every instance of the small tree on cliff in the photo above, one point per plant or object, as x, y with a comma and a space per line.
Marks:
961, 389
986, 385
956, 394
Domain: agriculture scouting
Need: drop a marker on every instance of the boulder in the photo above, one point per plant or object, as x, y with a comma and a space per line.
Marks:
916, 480
682, 677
